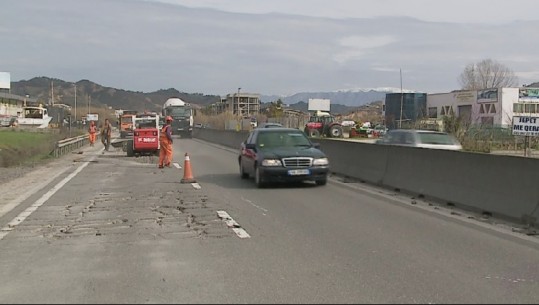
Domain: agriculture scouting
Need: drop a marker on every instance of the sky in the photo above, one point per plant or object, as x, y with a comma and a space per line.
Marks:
460, 11
270, 47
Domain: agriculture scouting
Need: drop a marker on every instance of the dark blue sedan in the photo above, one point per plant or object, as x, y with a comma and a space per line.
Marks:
282, 155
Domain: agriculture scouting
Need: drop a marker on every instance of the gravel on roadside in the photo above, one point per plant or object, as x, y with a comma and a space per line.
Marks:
10, 173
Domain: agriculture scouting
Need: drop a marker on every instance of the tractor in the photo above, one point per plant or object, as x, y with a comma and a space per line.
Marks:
322, 123
145, 140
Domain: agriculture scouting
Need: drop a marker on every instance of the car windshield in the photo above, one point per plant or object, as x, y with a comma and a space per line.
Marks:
436, 138
282, 139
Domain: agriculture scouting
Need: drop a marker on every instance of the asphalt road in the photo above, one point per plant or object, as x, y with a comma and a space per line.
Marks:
112, 229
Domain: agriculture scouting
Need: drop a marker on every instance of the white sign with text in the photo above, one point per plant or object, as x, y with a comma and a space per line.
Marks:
526, 126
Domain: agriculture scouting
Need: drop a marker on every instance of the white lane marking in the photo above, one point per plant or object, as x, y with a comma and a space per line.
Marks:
231, 223
196, 186
22, 216
223, 214
15, 202
241, 233
177, 165
256, 206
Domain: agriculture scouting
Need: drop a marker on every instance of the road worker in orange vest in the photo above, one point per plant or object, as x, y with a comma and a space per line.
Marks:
165, 139
92, 131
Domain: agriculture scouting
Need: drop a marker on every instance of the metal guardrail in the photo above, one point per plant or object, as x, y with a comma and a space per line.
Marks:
68, 145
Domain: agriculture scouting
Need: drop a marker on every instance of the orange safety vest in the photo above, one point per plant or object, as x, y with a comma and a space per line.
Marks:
163, 136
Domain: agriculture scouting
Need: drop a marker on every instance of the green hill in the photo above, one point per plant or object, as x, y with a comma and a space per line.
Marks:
42, 88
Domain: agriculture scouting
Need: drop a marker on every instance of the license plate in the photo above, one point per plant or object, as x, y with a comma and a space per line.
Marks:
298, 172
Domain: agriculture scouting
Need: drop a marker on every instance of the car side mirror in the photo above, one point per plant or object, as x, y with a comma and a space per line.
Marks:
316, 145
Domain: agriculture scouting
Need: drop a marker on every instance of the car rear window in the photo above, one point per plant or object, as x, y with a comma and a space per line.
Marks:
436, 138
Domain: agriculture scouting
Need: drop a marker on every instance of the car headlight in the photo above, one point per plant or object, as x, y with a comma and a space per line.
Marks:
271, 162
321, 161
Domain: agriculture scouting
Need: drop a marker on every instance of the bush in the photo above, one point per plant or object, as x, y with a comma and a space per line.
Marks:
22, 148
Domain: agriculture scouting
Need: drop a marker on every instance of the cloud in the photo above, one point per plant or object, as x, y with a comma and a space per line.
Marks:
355, 47
385, 69
146, 46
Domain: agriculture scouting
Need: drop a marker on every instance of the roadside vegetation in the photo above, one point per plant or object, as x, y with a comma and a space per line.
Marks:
26, 148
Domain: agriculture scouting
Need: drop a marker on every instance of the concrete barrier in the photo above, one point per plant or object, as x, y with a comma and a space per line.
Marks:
504, 186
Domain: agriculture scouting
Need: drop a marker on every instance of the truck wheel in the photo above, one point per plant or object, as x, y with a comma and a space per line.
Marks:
130, 150
336, 131
314, 133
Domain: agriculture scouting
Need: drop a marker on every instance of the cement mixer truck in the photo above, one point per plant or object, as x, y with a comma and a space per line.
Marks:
182, 116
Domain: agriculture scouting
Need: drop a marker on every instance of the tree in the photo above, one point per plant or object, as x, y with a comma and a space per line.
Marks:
487, 74
275, 109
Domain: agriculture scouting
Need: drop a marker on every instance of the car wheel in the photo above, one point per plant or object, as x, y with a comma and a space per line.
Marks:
243, 174
321, 182
258, 179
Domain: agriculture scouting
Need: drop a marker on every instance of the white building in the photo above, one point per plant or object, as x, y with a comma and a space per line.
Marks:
11, 104
490, 107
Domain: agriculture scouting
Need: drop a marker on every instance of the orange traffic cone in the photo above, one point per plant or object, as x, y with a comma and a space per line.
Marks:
187, 172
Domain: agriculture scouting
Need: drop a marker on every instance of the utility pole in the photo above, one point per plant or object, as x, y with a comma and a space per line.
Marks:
52, 93
241, 112
75, 103
402, 101
240, 109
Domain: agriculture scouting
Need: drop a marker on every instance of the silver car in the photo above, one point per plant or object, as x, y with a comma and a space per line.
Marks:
420, 138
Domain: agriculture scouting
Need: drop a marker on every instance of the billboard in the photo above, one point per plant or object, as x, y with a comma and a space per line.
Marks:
319, 104
528, 94
487, 96
526, 126
92, 117
5, 80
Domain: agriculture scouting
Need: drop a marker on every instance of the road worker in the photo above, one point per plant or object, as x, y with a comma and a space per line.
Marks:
92, 131
165, 139
106, 134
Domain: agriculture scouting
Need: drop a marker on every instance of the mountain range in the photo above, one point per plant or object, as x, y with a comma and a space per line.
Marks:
44, 88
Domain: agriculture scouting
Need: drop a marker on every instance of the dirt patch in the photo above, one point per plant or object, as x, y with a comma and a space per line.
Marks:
11, 173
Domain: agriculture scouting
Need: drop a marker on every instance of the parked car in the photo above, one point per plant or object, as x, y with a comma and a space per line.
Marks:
379, 130
420, 138
282, 155
269, 125
7, 120
348, 123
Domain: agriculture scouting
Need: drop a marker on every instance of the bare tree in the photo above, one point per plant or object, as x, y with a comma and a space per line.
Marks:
487, 74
